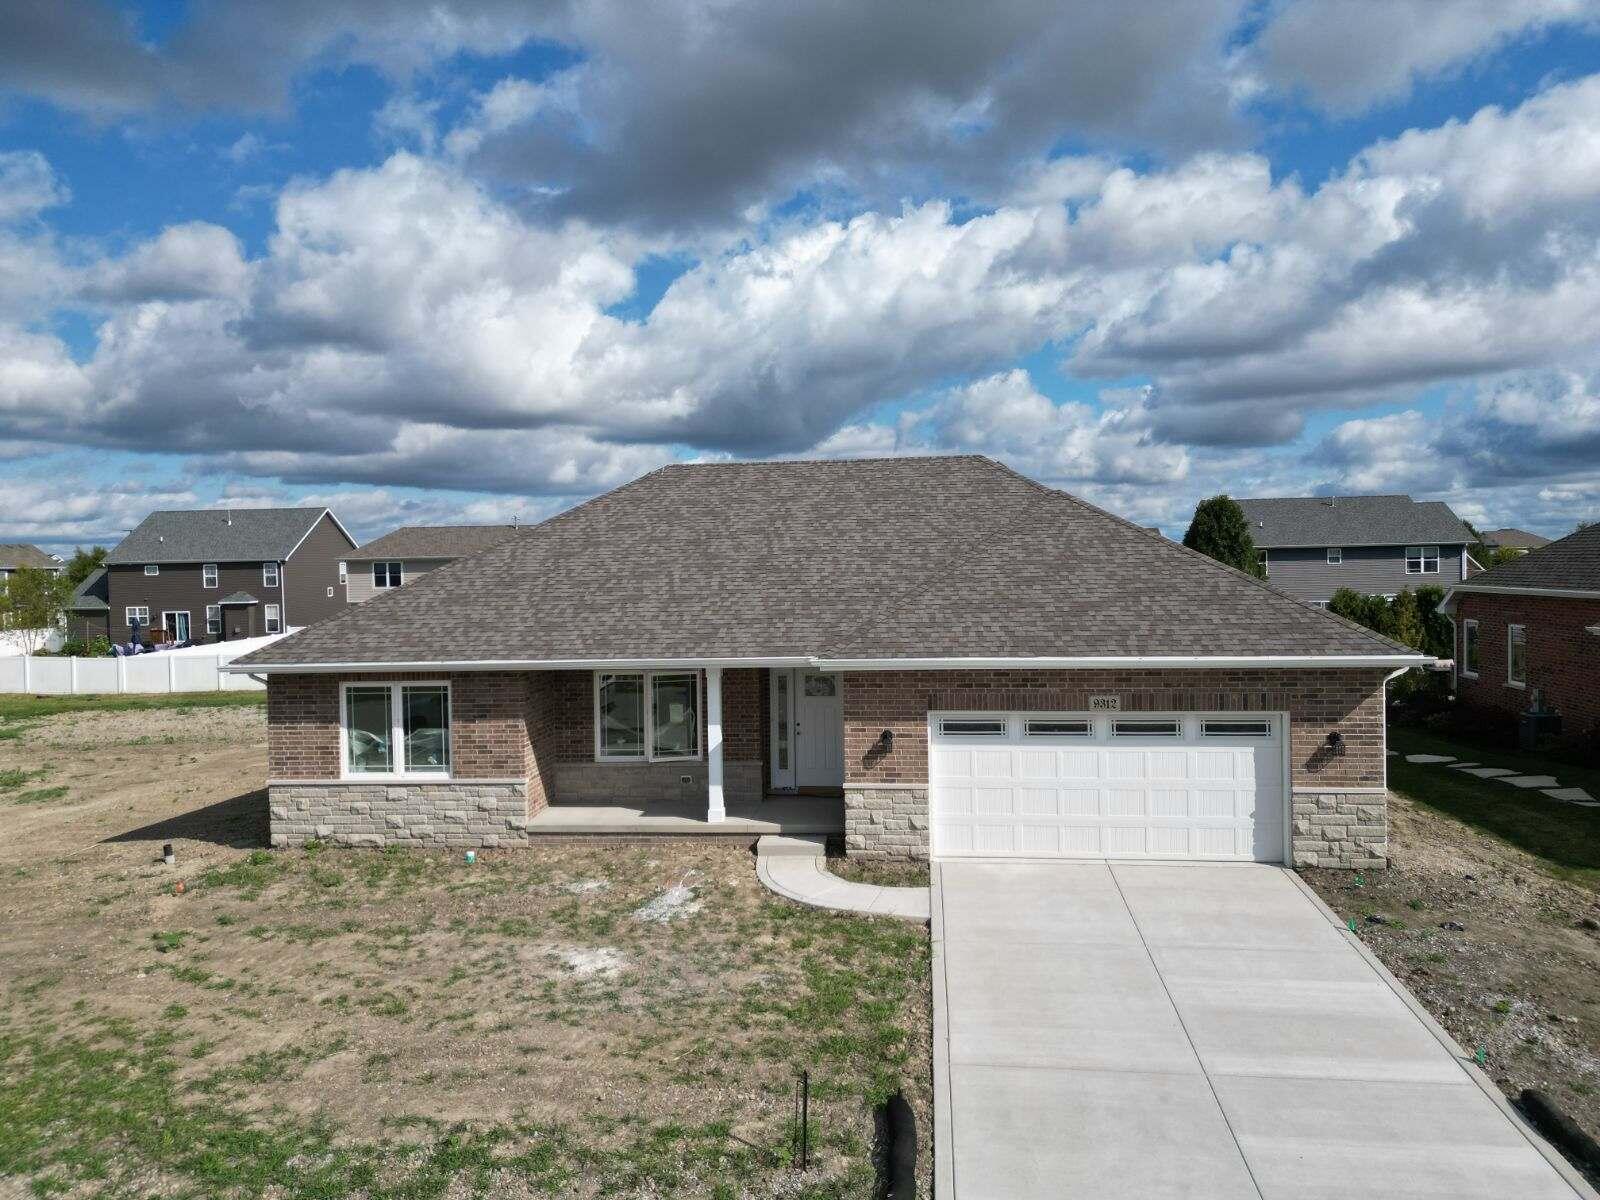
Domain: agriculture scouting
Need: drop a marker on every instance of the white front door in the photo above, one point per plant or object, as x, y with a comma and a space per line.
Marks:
807, 729
1091, 785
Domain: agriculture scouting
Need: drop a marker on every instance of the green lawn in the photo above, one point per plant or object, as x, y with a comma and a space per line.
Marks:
1564, 836
16, 711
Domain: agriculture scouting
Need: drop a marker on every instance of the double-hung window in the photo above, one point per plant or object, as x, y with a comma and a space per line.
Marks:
387, 575
1335, 555
139, 613
1517, 655
1422, 560
646, 716
213, 620
269, 574
208, 575
399, 729
1469, 649
1264, 563
274, 618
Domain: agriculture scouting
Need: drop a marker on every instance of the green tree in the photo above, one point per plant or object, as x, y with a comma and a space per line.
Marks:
32, 604
84, 563
1220, 530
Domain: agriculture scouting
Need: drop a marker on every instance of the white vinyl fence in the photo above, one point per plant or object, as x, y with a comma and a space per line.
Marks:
159, 672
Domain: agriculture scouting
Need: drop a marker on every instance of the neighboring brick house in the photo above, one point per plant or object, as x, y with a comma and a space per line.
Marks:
974, 663
1533, 625
410, 552
1311, 546
223, 574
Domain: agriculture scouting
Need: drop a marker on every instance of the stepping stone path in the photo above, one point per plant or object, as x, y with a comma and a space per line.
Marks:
1547, 784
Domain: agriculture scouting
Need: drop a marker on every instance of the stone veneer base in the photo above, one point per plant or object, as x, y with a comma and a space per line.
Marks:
886, 821
462, 813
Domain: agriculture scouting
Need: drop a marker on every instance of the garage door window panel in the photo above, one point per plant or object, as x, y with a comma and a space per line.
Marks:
1161, 729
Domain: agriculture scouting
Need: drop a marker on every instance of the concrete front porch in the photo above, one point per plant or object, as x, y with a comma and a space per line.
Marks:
687, 818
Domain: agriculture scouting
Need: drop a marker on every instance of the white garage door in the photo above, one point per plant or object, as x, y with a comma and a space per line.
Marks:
1075, 785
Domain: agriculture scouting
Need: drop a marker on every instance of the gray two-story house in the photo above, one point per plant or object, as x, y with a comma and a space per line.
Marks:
1311, 546
220, 575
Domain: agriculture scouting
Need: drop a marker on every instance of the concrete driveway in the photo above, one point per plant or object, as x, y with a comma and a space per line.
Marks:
1210, 1030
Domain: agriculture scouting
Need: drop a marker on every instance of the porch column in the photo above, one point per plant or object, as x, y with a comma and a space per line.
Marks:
715, 809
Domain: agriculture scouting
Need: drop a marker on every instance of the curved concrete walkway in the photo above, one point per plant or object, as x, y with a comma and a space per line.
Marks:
796, 868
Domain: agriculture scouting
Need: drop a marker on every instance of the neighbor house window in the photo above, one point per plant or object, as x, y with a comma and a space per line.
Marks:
642, 715
1469, 649
396, 729
1261, 561
208, 575
213, 620
151, 569
386, 575
1517, 655
139, 613
274, 619
344, 573
1422, 560
1335, 555
269, 574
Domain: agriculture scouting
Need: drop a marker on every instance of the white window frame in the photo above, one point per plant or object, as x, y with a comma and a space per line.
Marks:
344, 573
1335, 556
397, 721
650, 755
1265, 562
271, 619
271, 573
1216, 727
152, 568
948, 726
208, 575
188, 619
398, 572
217, 620
1175, 729
1422, 557
1030, 732
1511, 639
1469, 636
144, 615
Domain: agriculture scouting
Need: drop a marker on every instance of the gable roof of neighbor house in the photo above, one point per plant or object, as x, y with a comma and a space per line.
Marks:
1569, 565
912, 558
218, 535
90, 595
1513, 539
432, 541
1285, 522
16, 555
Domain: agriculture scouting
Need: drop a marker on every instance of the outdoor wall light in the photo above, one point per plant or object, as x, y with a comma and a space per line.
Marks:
1336, 742
886, 740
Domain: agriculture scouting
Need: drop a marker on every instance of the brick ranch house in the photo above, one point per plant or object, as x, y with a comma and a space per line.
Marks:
971, 662
1533, 625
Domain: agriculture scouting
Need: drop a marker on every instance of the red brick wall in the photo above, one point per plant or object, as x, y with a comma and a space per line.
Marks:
1563, 659
488, 724
1318, 702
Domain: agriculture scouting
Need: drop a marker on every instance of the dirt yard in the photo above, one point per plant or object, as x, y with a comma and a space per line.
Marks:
1505, 955
562, 1021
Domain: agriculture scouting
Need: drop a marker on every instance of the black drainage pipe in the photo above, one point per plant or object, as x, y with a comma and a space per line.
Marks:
1560, 1128
900, 1131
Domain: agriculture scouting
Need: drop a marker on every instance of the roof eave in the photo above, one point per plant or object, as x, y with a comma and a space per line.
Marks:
1105, 662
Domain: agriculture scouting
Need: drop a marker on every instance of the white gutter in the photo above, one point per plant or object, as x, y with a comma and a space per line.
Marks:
1489, 589
1187, 661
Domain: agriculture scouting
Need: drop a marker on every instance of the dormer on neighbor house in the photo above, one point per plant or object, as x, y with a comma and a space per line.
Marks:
216, 574
1311, 546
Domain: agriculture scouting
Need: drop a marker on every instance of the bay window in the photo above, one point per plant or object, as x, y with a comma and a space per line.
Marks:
398, 729
646, 716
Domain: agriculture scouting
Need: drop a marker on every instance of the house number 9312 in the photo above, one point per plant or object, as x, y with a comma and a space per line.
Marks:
1105, 703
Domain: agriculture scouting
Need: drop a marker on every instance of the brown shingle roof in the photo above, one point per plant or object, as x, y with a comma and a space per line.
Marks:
911, 557
433, 541
1571, 564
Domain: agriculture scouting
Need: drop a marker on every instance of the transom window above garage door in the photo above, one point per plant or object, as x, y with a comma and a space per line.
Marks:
1236, 728
1147, 729
973, 726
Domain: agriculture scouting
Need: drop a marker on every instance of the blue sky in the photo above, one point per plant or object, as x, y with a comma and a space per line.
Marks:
450, 261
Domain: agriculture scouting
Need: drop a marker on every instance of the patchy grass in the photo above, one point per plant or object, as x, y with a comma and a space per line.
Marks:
13, 778
1563, 839
44, 795
425, 1028
31, 708
885, 874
